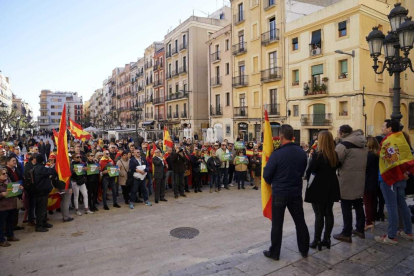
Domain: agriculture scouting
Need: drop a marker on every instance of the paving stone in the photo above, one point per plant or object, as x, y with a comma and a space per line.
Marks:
312, 266
349, 267
289, 271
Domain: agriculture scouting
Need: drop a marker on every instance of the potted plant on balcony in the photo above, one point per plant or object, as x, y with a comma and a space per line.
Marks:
304, 121
325, 79
316, 89
323, 88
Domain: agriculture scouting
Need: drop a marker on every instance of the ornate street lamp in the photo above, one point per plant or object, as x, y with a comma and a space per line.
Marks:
401, 38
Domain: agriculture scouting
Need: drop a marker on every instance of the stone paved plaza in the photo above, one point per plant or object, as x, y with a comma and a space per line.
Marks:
233, 234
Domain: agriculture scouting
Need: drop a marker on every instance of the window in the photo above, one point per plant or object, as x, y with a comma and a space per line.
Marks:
227, 68
343, 108
185, 64
176, 88
217, 71
227, 44
316, 43
221, 15
411, 116
254, 31
185, 108
272, 28
343, 67
170, 110
217, 101
272, 60
295, 44
380, 66
184, 39
295, 77
241, 17
176, 109
256, 99
227, 99
176, 44
342, 28
255, 64
241, 39
184, 87
317, 71
170, 89
296, 111
176, 66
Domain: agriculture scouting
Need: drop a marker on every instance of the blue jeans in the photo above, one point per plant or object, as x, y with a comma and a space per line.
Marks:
224, 174
214, 178
109, 182
7, 218
167, 176
138, 184
394, 198
295, 207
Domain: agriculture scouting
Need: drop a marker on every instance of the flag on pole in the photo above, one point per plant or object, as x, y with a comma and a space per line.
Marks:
62, 159
55, 136
167, 140
267, 151
395, 158
77, 131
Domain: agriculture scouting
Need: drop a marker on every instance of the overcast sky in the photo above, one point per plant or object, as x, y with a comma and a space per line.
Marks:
74, 45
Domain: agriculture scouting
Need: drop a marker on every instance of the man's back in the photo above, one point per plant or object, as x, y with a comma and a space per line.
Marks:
285, 169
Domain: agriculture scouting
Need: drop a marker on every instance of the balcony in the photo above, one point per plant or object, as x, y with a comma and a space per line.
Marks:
268, 4
168, 54
239, 49
240, 81
149, 81
168, 75
324, 119
177, 96
174, 51
315, 50
270, 37
183, 46
149, 99
175, 115
216, 111
273, 109
272, 74
240, 112
158, 82
159, 100
183, 70
315, 90
169, 115
159, 117
215, 57
149, 115
175, 73
238, 18
216, 81
140, 88
184, 114
148, 65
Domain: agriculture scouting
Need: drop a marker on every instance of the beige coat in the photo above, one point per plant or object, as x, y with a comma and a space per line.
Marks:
123, 171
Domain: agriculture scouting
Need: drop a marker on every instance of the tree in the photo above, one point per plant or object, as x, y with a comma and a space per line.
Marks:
6, 118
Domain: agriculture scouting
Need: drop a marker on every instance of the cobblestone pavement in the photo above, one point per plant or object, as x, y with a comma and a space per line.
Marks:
233, 234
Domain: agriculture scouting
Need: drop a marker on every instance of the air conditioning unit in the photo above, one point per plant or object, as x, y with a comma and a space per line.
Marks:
316, 51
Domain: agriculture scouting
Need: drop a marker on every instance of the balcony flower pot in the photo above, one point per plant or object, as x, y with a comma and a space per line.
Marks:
325, 79
323, 88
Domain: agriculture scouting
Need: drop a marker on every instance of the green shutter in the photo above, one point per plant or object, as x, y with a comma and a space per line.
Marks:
344, 67
317, 70
296, 75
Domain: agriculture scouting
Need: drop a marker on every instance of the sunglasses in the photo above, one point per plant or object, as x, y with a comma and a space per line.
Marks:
77, 157
4, 174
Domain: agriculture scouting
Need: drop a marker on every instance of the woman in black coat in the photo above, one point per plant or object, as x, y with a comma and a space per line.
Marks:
323, 190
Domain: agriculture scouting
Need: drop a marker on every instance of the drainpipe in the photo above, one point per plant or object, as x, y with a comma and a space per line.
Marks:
209, 75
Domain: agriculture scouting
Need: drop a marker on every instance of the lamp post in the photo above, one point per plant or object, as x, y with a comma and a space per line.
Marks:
400, 38
137, 116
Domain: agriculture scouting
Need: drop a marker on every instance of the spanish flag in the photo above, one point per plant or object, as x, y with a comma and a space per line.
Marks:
267, 151
55, 136
395, 158
62, 158
167, 140
77, 131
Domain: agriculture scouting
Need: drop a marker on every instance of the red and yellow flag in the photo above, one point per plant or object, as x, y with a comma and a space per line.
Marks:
395, 158
77, 131
267, 151
55, 136
62, 158
167, 140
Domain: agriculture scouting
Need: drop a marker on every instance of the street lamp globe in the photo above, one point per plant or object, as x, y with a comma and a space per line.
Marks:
406, 34
375, 40
396, 16
389, 45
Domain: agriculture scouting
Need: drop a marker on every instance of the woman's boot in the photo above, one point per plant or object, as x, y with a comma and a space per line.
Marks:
326, 241
316, 243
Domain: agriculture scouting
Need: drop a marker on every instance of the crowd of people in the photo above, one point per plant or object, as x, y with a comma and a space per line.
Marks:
346, 169
100, 168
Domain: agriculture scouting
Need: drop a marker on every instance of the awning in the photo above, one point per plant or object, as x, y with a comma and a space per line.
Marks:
149, 123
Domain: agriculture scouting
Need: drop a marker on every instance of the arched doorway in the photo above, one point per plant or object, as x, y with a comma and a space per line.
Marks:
379, 117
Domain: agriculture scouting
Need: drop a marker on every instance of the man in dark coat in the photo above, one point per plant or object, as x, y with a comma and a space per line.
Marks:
42, 148
48, 148
43, 186
159, 175
179, 163
284, 172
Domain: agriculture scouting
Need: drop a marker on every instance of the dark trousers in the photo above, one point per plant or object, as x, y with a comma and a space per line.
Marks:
369, 202
232, 169
196, 180
224, 176
295, 207
32, 207
379, 203
92, 193
346, 206
240, 178
125, 192
138, 185
323, 217
109, 182
7, 222
178, 183
41, 210
159, 188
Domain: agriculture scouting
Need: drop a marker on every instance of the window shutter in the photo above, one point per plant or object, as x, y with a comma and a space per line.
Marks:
342, 26
297, 76
295, 40
317, 69
316, 37
344, 66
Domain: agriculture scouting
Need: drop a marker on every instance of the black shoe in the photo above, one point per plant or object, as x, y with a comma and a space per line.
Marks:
163, 199
17, 228
156, 201
358, 234
187, 191
243, 188
70, 208
68, 219
139, 201
270, 256
47, 225
304, 255
116, 205
183, 195
326, 242
227, 188
127, 202
195, 191
50, 212
58, 210
41, 230
176, 196
341, 237
238, 188
96, 202
316, 243
199, 190
106, 207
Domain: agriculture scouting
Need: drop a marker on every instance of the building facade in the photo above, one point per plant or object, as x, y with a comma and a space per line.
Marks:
159, 88
51, 107
186, 84
6, 94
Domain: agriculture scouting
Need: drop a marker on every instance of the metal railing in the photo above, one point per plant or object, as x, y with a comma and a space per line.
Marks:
175, 73
168, 75
183, 69
149, 115
175, 115
215, 56
239, 49
158, 82
216, 111
323, 119
267, 4
216, 81
240, 111
272, 74
177, 96
238, 18
184, 114
272, 109
270, 36
159, 100
168, 54
174, 51
240, 81
183, 46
